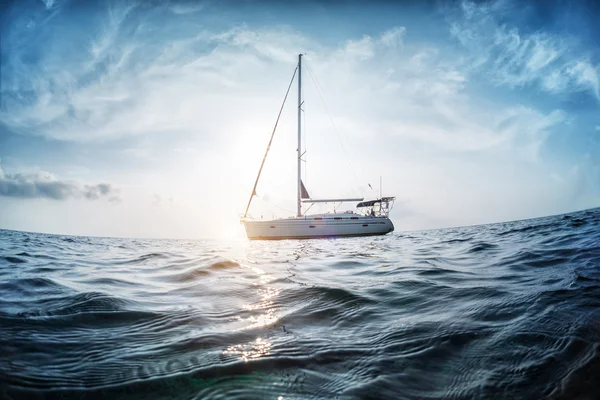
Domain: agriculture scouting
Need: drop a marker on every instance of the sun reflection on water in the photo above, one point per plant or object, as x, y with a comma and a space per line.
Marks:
250, 351
264, 309
265, 304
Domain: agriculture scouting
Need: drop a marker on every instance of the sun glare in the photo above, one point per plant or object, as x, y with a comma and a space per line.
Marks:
232, 230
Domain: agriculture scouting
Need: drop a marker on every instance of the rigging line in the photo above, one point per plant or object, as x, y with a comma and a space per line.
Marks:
321, 96
274, 205
319, 90
269, 145
309, 207
373, 190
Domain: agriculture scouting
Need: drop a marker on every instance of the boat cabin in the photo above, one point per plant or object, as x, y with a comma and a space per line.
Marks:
376, 208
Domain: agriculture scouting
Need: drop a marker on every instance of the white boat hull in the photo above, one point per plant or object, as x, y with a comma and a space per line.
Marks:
318, 226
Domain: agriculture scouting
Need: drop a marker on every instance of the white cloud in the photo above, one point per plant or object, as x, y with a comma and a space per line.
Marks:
189, 8
48, 3
580, 183
509, 57
374, 84
361, 49
394, 37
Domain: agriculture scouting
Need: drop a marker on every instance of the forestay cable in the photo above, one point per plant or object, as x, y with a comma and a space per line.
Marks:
269, 145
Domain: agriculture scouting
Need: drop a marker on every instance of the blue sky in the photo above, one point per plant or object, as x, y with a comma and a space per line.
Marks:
135, 119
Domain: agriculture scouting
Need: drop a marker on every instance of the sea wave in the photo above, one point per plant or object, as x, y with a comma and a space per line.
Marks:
508, 310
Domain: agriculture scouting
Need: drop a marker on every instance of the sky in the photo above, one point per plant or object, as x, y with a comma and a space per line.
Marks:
150, 119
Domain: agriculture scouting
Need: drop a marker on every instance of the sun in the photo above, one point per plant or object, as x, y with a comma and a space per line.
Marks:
232, 230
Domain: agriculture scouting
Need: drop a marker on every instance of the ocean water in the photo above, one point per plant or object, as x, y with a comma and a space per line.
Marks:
504, 311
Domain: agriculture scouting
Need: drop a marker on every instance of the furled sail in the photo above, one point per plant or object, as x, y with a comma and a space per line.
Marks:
304, 192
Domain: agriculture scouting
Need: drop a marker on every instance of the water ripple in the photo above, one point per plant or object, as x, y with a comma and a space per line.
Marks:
506, 310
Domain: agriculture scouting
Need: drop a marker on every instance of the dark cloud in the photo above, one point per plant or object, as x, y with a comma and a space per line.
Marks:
96, 191
45, 185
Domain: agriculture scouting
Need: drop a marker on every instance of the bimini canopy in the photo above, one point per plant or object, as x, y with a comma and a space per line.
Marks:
371, 203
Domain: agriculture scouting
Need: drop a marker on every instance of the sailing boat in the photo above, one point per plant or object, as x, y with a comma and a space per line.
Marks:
371, 217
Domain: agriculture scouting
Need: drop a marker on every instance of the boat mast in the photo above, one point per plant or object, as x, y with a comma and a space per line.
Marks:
299, 135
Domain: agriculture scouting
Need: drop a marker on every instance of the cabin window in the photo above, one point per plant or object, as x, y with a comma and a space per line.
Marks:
312, 226
365, 224
353, 217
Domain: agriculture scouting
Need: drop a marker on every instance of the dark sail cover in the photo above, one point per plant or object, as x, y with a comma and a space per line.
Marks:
371, 203
303, 191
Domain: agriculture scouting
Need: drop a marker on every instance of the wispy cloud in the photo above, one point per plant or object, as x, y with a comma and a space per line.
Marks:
45, 185
127, 85
553, 63
48, 3
188, 8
